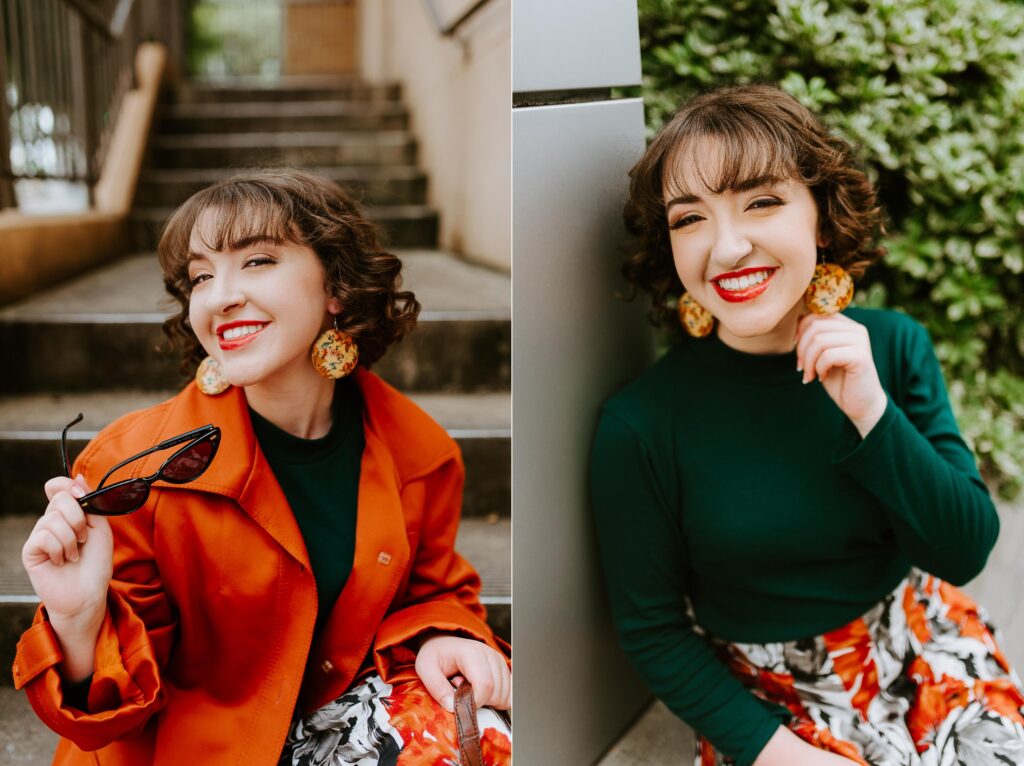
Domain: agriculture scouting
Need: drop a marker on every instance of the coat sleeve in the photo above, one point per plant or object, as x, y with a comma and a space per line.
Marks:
443, 591
918, 466
132, 648
643, 553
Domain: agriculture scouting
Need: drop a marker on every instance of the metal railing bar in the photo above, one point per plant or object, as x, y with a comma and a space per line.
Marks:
451, 28
7, 196
120, 17
89, 13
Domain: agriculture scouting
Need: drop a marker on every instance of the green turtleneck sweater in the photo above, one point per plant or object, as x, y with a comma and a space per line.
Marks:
719, 477
320, 479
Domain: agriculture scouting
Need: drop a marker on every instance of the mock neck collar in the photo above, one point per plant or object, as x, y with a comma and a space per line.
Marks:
741, 366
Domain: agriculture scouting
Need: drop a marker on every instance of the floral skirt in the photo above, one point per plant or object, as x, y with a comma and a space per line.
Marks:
377, 724
919, 680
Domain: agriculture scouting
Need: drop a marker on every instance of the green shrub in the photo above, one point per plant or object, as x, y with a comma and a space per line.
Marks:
931, 93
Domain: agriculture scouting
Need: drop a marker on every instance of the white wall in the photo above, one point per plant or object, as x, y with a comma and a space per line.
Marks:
458, 90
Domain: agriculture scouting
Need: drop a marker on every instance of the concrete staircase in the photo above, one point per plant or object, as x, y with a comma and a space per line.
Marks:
74, 344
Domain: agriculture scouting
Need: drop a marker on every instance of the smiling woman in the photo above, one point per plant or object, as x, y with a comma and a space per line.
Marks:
300, 598
783, 559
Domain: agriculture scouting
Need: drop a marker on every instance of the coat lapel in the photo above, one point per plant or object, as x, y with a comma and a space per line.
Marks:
239, 470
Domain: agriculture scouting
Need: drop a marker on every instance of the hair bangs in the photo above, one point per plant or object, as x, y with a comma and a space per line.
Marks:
720, 154
243, 213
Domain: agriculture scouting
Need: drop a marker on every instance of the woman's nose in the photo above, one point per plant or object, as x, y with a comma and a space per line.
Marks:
226, 295
730, 245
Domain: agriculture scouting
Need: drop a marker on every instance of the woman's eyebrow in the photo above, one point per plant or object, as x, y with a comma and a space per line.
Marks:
750, 183
258, 239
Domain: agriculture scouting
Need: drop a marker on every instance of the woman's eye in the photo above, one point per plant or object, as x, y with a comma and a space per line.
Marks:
195, 280
686, 220
259, 260
764, 203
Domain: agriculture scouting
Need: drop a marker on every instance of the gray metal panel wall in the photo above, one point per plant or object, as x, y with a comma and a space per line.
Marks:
574, 44
574, 343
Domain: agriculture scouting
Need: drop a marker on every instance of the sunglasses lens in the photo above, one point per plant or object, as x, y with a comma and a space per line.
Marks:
120, 499
189, 464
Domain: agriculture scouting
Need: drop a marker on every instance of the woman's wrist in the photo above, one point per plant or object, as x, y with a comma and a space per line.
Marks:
77, 637
868, 422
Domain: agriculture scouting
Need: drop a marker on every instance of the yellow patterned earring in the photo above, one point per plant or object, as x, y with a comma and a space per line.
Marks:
831, 289
335, 354
210, 377
695, 319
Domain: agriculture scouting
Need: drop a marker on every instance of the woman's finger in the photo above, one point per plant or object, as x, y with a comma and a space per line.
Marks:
42, 545
504, 689
57, 484
436, 682
824, 341
840, 356
66, 503
58, 526
821, 339
479, 673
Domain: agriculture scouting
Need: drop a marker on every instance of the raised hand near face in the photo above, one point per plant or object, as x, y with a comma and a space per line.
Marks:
837, 351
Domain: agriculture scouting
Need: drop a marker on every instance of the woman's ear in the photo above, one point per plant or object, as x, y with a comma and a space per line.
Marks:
334, 305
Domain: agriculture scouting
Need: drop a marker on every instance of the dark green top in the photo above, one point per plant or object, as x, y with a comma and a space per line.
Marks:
718, 476
320, 479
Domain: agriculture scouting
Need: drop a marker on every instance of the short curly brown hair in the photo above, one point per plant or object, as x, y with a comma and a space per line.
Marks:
293, 206
763, 132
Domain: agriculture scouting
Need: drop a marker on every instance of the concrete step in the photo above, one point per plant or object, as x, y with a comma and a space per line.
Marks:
30, 426
288, 89
403, 225
24, 739
292, 149
101, 331
242, 117
390, 185
656, 738
485, 543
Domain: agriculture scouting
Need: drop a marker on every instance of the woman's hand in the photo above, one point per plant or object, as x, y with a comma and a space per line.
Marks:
69, 558
448, 657
786, 749
837, 351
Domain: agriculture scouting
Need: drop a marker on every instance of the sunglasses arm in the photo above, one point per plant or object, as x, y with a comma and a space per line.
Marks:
172, 442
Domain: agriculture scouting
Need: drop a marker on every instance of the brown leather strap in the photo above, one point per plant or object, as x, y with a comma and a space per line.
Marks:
465, 724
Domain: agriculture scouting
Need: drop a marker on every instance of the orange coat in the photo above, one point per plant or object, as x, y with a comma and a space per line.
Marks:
207, 645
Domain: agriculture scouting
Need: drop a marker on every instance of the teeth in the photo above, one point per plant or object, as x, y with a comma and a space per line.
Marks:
744, 282
238, 332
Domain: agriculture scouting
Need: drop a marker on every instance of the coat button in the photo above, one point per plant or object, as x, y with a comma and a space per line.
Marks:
327, 666
384, 558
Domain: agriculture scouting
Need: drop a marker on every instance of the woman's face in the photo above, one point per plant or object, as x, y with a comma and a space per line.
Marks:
747, 255
258, 308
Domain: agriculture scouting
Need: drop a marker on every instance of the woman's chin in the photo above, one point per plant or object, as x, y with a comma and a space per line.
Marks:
750, 328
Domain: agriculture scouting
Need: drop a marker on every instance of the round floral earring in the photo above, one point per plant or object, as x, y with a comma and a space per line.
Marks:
334, 353
695, 319
831, 289
210, 377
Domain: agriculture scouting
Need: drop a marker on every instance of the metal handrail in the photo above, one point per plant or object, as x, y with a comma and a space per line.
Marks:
65, 66
447, 30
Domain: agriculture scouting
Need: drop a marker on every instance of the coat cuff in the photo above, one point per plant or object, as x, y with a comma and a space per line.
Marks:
125, 688
398, 636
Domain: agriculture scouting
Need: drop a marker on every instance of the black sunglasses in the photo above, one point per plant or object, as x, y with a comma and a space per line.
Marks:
129, 495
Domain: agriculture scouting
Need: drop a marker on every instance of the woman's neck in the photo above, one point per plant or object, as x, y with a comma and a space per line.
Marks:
300, 406
780, 340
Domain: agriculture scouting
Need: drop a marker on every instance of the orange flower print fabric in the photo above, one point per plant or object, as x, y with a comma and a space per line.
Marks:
919, 680
377, 724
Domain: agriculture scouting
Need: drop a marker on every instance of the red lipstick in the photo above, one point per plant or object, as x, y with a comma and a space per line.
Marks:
229, 345
747, 294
